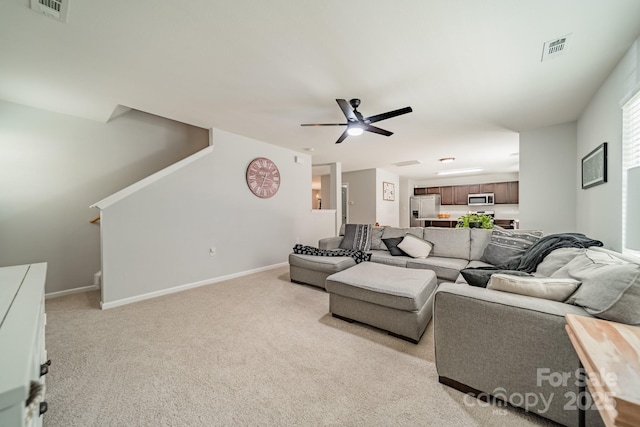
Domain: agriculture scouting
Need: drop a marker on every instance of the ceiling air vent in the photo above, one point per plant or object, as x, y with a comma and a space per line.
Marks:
556, 47
408, 163
56, 9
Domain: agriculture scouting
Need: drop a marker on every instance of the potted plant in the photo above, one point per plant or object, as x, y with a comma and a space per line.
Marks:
475, 221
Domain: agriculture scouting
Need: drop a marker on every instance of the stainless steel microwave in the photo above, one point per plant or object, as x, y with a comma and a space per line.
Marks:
484, 199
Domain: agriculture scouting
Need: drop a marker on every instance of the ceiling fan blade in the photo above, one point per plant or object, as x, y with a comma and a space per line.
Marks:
323, 124
388, 115
346, 110
342, 137
374, 129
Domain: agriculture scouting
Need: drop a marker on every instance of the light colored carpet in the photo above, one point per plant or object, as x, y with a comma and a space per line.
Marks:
257, 350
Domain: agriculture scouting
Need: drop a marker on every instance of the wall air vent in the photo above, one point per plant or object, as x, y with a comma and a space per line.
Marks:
56, 9
556, 47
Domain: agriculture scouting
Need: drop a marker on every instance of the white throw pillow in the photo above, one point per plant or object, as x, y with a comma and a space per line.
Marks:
555, 289
415, 247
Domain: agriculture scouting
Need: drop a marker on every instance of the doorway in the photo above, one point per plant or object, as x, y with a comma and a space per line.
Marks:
345, 203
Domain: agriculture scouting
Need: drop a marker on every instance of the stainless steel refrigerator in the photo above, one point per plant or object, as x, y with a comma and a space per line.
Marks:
423, 207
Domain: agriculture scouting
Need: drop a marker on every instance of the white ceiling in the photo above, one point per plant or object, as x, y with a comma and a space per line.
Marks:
470, 69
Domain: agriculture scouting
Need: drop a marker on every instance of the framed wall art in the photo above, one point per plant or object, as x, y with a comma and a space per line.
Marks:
594, 167
388, 191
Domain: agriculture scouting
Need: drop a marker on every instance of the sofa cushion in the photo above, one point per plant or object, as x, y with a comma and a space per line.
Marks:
472, 264
400, 232
385, 257
321, 263
555, 289
415, 247
610, 286
507, 246
449, 242
445, 268
357, 236
479, 277
392, 246
480, 238
556, 260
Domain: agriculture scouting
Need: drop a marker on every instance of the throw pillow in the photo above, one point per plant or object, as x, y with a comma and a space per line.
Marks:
556, 260
357, 236
555, 289
392, 244
480, 276
610, 286
507, 246
415, 247
376, 238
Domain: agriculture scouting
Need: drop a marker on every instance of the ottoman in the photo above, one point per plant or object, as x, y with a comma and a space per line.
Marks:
396, 299
313, 270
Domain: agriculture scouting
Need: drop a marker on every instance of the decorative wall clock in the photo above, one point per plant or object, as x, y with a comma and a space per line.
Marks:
263, 177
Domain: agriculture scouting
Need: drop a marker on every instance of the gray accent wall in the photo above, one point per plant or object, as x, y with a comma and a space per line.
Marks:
54, 166
158, 239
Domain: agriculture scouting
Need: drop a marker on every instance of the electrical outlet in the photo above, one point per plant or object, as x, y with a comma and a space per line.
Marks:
212, 251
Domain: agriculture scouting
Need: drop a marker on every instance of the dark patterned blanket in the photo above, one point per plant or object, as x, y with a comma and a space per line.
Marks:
358, 256
479, 276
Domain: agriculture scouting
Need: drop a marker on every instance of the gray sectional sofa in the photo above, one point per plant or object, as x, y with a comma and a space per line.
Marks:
495, 344
453, 249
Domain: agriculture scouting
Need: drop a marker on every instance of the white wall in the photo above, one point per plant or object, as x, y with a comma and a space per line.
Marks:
548, 179
159, 238
53, 166
362, 196
387, 212
599, 208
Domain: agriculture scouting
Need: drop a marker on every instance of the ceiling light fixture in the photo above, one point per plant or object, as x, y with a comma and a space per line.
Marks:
355, 130
458, 171
446, 159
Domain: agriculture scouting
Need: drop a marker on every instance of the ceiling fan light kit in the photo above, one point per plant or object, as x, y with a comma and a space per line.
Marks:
446, 159
356, 123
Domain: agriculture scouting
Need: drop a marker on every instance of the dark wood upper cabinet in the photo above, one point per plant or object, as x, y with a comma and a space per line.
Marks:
504, 192
460, 193
487, 188
473, 189
446, 196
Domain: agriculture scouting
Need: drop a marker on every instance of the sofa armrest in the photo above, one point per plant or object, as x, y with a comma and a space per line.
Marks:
330, 242
508, 346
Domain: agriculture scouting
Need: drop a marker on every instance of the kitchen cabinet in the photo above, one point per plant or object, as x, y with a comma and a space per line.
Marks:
446, 196
487, 188
460, 193
506, 192
504, 223
473, 189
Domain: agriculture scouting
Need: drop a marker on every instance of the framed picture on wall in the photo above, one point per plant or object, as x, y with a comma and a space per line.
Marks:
594, 167
388, 191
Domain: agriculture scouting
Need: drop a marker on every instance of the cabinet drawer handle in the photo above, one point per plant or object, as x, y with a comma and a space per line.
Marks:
44, 368
43, 407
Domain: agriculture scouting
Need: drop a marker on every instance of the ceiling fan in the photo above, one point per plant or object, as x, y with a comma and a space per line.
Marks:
356, 123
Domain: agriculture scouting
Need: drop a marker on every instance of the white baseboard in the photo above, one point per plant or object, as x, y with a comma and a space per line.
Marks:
71, 291
180, 288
